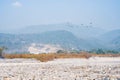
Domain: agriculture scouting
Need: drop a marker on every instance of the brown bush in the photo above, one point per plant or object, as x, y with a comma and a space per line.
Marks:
51, 56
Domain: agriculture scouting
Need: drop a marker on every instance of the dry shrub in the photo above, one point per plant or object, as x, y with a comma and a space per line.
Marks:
45, 57
41, 57
105, 55
51, 56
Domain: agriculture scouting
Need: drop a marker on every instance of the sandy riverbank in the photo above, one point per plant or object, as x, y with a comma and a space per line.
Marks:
94, 68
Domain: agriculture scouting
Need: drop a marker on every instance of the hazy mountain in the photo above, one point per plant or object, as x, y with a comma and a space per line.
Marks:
82, 31
111, 39
111, 35
21, 42
65, 39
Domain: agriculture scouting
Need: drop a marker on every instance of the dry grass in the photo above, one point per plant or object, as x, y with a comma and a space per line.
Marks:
51, 56
106, 55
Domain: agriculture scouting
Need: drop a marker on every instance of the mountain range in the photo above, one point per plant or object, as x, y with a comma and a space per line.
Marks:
64, 36
82, 31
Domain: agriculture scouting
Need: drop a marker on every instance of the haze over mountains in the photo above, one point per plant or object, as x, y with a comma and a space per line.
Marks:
65, 36
82, 30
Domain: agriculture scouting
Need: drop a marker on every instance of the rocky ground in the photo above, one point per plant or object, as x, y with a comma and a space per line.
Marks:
94, 68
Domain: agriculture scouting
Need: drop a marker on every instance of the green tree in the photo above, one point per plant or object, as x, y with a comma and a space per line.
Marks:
100, 51
60, 51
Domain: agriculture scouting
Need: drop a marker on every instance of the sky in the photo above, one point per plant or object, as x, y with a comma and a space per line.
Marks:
15, 14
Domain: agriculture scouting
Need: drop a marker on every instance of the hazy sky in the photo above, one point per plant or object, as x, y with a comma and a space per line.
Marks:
21, 13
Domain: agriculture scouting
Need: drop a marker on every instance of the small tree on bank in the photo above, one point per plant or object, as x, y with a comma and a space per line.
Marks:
1, 51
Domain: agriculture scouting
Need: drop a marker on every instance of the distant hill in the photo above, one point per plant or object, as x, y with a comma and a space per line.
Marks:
81, 31
112, 39
111, 35
59, 39
21, 42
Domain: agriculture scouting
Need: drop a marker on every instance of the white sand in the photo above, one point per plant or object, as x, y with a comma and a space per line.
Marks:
98, 68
